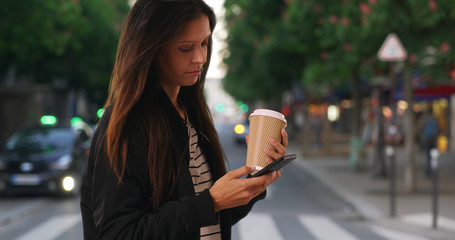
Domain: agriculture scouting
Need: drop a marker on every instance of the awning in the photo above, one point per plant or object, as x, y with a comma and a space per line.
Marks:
434, 92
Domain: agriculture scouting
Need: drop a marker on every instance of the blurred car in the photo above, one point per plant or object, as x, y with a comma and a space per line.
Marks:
46, 158
240, 132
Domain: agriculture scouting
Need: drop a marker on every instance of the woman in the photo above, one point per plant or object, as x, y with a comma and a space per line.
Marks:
156, 169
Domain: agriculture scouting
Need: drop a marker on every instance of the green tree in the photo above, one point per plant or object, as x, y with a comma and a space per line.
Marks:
334, 43
32, 30
92, 63
70, 40
341, 39
254, 68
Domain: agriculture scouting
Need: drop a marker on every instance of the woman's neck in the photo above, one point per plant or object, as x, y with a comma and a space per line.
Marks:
172, 93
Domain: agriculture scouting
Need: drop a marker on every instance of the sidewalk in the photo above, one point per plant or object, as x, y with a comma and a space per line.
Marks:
370, 196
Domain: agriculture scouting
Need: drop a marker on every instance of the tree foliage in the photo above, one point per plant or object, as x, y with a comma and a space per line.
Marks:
328, 43
70, 40
255, 62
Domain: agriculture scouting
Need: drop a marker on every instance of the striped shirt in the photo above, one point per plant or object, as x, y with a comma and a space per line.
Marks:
202, 180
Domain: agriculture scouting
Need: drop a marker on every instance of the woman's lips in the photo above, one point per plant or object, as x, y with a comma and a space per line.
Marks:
195, 73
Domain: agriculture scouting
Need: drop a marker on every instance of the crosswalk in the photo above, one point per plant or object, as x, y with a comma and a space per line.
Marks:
423, 220
395, 235
52, 228
324, 228
257, 225
319, 227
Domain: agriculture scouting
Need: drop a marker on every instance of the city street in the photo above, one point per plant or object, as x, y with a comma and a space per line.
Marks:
366, 89
297, 207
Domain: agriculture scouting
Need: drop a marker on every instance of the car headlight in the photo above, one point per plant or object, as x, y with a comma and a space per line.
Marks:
62, 163
68, 183
239, 129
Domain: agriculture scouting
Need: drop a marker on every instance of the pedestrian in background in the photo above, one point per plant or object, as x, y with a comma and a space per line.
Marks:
156, 169
428, 129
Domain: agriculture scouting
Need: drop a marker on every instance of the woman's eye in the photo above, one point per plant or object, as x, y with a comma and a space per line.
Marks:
185, 49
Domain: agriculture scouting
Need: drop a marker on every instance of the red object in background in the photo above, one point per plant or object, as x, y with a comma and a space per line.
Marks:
412, 58
364, 8
445, 47
443, 91
432, 4
344, 21
374, 102
333, 19
285, 111
324, 55
347, 47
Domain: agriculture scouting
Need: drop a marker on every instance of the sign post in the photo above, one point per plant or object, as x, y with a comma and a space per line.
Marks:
434, 173
392, 51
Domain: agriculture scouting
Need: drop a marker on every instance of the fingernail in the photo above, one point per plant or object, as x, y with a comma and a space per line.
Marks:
266, 150
253, 168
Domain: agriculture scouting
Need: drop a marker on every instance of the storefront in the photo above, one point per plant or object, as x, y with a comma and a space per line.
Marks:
442, 100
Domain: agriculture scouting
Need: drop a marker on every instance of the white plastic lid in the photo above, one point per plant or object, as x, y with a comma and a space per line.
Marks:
269, 113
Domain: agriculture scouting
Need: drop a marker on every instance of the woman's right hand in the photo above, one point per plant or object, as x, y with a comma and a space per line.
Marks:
230, 191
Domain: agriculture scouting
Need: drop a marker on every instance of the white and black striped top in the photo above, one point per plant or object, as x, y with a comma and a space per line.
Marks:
202, 180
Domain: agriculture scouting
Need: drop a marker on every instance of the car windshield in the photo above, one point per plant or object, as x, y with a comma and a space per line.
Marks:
40, 140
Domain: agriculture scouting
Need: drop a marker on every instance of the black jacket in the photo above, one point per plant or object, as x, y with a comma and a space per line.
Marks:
124, 211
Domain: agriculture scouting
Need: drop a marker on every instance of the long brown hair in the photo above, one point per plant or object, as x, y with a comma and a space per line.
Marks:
149, 25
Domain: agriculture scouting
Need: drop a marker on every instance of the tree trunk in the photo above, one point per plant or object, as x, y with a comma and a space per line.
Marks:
357, 155
358, 103
410, 180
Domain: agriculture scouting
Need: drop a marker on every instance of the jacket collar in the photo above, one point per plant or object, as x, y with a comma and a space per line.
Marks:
169, 107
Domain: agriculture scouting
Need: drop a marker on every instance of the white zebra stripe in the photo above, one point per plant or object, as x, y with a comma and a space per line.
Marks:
52, 228
395, 235
259, 226
323, 228
262, 226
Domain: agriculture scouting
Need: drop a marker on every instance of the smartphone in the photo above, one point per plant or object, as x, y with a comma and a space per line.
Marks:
275, 165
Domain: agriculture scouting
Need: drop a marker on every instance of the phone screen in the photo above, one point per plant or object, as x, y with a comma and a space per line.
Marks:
275, 165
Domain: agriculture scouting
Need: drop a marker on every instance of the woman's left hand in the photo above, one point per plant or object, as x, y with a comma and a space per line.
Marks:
279, 151
280, 147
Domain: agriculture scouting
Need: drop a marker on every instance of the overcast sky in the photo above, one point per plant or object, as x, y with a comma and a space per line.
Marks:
216, 70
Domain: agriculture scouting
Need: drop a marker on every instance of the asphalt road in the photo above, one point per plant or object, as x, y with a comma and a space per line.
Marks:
297, 207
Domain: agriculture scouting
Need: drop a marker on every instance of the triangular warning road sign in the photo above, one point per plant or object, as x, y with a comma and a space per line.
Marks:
392, 49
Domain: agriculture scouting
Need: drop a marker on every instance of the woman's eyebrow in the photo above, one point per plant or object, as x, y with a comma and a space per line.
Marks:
192, 41
185, 41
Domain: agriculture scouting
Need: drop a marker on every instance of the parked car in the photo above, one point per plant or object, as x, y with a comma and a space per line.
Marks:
240, 132
46, 158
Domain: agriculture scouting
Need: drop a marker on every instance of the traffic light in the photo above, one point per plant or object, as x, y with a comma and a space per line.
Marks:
75, 121
48, 120
220, 107
100, 112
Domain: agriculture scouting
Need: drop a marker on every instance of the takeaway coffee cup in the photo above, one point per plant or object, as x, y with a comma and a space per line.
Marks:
264, 124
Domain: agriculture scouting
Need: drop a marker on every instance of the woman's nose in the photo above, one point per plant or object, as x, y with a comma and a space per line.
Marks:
200, 55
